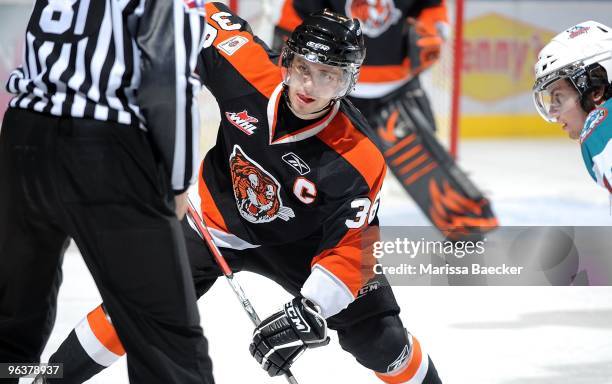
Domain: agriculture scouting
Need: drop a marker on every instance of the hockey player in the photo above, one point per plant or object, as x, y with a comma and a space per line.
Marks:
573, 88
290, 191
404, 38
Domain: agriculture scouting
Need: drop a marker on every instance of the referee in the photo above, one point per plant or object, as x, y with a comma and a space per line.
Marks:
100, 144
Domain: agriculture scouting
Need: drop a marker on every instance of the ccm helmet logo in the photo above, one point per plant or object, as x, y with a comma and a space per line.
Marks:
296, 319
317, 46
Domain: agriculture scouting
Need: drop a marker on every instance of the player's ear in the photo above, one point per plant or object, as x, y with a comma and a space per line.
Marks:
598, 95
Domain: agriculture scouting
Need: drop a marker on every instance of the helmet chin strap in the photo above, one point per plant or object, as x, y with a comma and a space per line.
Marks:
307, 116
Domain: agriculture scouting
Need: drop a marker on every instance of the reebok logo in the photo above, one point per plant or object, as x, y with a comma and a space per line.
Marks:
400, 361
242, 121
296, 163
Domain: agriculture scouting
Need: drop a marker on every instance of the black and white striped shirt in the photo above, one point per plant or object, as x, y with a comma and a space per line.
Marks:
127, 61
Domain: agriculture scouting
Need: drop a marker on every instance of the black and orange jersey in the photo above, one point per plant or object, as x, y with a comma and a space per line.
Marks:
269, 181
385, 30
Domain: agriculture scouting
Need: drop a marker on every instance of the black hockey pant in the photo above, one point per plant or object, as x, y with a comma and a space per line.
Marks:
99, 184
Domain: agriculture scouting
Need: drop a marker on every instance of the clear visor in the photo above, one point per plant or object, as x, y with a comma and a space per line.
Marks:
554, 98
316, 79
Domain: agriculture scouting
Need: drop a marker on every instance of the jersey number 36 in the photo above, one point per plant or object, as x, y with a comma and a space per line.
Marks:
366, 211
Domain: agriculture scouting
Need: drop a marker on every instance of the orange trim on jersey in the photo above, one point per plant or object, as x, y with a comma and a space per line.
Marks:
384, 73
402, 143
421, 172
289, 18
210, 212
305, 129
411, 368
351, 260
104, 331
251, 60
356, 149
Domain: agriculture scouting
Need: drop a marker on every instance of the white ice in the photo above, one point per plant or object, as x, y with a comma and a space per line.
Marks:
475, 335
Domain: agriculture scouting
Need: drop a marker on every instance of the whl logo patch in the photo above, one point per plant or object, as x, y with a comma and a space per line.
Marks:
242, 121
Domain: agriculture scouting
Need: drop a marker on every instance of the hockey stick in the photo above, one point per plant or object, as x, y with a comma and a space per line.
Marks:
202, 229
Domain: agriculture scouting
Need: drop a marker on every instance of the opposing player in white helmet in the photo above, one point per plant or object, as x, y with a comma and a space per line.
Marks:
573, 88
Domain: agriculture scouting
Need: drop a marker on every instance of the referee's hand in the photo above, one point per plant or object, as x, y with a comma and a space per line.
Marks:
180, 205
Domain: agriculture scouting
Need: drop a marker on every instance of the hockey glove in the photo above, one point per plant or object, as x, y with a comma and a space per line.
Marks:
424, 44
281, 338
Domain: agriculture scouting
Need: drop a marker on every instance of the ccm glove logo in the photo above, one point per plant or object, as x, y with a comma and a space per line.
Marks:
282, 337
296, 318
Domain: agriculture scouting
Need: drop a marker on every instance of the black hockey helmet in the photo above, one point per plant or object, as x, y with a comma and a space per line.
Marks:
328, 38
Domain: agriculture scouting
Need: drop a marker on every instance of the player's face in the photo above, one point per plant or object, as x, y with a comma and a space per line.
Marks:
312, 85
565, 107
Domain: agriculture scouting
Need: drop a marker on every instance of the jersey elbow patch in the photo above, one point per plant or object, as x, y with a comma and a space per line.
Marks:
327, 291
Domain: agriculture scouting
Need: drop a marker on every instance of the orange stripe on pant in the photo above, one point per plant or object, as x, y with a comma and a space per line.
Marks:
98, 338
104, 331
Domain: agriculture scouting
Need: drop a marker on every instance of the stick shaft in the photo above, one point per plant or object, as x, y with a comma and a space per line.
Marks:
227, 271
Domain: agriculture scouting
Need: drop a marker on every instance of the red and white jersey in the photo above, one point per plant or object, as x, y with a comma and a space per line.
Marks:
384, 25
272, 179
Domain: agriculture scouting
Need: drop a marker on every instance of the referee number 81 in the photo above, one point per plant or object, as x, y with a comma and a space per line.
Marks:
58, 16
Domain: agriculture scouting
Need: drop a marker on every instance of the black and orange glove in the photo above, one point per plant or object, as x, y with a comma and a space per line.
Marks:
427, 33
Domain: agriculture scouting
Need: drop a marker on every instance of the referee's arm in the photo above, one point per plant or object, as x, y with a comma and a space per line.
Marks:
169, 38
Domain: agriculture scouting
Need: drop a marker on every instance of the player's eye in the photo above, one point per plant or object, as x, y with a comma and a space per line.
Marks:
303, 69
330, 77
557, 98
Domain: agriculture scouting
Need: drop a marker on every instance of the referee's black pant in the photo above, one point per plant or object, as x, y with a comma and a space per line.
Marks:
99, 184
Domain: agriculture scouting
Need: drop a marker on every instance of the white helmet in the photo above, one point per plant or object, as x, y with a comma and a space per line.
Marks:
572, 55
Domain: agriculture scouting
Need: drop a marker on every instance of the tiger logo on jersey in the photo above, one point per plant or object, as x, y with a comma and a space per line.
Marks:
375, 16
257, 192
